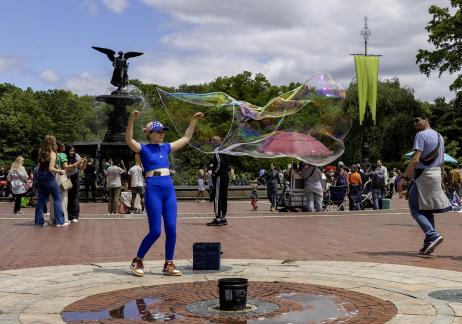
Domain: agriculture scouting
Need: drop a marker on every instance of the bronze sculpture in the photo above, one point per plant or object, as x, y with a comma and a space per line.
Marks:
119, 76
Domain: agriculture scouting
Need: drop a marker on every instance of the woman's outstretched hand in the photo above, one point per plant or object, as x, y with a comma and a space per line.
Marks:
135, 114
198, 115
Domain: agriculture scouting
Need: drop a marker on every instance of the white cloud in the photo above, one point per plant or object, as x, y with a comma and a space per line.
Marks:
91, 6
49, 76
117, 6
290, 40
175, 70
87, 84
8, 63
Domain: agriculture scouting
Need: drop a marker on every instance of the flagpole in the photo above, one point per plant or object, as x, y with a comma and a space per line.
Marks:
367, 122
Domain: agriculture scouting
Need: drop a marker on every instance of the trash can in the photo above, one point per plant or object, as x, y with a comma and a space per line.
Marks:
233, 293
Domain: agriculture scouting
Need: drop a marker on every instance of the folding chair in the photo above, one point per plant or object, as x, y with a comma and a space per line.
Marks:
335, 197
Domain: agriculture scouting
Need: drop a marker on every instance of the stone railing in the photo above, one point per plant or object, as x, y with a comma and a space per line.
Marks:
234, 192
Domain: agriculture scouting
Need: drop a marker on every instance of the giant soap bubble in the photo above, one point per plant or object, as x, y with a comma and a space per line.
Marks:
307, 123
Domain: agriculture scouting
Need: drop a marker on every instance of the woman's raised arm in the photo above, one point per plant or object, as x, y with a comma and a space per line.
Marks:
180, 143
132, 144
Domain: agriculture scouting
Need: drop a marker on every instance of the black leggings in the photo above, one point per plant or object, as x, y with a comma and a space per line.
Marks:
73, 206
17, 202
220, 205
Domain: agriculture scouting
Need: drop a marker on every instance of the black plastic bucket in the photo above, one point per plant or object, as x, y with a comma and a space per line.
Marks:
233, 293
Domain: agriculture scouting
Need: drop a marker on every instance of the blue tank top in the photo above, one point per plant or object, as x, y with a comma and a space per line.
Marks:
154, 156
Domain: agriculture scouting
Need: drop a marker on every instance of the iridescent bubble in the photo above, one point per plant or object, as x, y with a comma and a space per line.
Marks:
307, 123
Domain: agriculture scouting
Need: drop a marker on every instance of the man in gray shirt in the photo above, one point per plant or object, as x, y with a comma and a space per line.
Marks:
425, 193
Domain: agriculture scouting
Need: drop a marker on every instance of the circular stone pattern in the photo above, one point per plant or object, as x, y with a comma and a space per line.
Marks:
451, 295
176, 298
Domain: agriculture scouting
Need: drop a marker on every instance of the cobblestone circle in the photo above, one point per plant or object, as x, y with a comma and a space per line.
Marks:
176, 297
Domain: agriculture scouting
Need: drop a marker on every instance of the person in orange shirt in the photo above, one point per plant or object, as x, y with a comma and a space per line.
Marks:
355, 184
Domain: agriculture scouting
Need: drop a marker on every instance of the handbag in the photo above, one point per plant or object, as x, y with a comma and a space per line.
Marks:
64, 182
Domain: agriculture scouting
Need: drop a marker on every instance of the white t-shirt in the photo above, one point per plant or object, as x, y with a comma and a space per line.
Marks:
113, 176
136, 174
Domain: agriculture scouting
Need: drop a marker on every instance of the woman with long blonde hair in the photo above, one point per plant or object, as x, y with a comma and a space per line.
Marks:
46, 181
17, 176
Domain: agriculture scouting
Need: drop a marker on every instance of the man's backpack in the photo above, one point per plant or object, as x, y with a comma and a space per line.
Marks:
378, 180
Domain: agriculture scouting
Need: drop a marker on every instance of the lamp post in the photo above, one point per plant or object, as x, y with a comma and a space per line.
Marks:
365, 33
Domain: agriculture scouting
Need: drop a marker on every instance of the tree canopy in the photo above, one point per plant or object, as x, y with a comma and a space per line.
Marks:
445, 34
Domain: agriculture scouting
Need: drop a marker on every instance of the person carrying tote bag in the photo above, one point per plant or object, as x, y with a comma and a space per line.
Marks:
17, 176
61, 164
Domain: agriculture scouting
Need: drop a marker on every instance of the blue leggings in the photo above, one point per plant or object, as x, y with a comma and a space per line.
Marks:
160, 201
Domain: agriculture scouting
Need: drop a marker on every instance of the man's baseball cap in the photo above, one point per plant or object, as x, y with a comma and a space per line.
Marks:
340, 164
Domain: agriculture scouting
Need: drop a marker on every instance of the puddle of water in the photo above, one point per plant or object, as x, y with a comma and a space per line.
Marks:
133, 310
316, 309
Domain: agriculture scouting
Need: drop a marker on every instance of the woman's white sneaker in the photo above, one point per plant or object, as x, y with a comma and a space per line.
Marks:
137, 267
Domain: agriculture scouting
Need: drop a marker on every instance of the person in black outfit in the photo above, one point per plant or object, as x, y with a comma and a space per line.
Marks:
272, 182
90, 180
220, 176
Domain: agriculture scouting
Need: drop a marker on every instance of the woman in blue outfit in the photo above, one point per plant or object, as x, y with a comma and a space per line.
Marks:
46, 182
160, 197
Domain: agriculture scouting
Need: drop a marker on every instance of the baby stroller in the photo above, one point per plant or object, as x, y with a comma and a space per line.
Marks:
366, 196
335, 197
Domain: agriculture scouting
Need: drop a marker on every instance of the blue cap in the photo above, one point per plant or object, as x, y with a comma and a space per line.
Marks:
155, 126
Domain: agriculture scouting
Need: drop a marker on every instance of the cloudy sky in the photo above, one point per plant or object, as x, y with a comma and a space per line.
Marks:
46, 44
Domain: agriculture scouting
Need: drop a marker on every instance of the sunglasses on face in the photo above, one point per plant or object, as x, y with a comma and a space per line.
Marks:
416, 120
161, 132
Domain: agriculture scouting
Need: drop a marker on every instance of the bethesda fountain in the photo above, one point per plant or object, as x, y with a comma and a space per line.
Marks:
118, 101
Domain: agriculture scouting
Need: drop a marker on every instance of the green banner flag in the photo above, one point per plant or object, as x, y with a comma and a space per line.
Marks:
367, 74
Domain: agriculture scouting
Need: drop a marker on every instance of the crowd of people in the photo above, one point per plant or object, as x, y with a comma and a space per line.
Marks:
374, 182
72, 174
57, 180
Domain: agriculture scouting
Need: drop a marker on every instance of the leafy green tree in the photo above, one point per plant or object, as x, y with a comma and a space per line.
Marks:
445, 33
28, 116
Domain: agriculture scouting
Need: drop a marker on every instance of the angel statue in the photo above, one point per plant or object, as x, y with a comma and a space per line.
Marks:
119, 76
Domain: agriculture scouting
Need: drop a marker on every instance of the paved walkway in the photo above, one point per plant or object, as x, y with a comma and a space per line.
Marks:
373, 252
